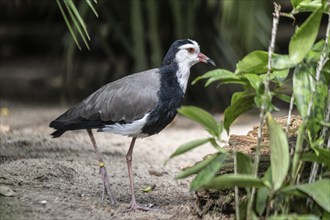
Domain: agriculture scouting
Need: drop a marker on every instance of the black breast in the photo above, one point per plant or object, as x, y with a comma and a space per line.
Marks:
170, 99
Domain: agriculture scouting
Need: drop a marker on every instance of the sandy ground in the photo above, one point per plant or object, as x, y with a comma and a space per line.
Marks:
59, 179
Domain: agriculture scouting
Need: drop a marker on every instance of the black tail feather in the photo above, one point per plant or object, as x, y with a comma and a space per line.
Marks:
58, 133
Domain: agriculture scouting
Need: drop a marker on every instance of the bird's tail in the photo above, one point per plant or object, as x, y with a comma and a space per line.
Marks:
72, 120
60, 128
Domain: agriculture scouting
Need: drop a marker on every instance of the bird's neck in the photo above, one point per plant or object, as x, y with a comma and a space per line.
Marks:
178, 72
182, 74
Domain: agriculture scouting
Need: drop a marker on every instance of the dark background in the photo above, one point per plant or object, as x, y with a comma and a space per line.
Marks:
40, 63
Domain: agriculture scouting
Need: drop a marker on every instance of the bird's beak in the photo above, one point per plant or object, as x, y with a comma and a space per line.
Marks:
203, 58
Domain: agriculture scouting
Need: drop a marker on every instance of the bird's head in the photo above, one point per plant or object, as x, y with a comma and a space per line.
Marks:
186, 52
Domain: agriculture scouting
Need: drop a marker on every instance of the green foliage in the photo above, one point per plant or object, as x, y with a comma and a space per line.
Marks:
279, 157
304, 37
277, 189
231, 180
77, 20
202, 117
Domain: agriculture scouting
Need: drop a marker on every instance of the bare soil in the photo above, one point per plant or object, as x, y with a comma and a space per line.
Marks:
59, 179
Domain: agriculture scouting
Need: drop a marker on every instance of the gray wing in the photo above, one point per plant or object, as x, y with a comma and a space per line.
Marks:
126, 99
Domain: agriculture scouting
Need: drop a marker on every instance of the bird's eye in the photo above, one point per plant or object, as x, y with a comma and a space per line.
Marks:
191, 50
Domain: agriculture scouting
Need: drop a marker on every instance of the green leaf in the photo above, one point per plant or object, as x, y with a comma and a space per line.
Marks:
315, 53
68, 24
322, 156
319, 191
241, 103
281, 62
295, 3
189, 146
197, 167
218, 75
303, 83
279, 157
283, 97
244, 163
319, 105
304, 37
70, 7
254, 62
261, 200
89, 3
302, 89
202, 117
208, 172
294, 217
255, 82
310, 6
229, 181
280, 75
80, 21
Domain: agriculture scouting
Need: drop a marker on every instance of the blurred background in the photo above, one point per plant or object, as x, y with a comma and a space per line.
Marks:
40, 62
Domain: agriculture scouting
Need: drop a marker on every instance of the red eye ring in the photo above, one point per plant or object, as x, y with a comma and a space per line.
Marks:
191, 50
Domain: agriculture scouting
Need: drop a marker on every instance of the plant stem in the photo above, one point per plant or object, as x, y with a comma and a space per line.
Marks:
289, 122
264, 107
236, 188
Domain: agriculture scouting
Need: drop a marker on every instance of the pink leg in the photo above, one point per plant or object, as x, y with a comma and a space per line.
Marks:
103, 171
134, 205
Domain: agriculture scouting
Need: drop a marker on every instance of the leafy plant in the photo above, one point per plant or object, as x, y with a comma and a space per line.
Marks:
76, 19
263, 75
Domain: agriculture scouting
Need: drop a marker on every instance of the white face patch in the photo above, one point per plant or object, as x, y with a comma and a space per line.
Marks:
186, 57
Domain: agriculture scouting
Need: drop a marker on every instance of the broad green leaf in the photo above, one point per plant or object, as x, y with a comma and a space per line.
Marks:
240, 104
283, 97
319, 105
217, 75
189, 146
303, 82
244, 163
319, 191
280, 75
279, 157
261, 200
304, 37
315, 53
254, 62
281, 62
197, 167
302, 88
208, 172
295, 3
255, 81
294, 217
322, 156
310, 6
326, 215
229, 181
267, 178
202, 117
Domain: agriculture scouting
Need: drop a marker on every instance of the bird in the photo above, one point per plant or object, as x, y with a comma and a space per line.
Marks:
138, 105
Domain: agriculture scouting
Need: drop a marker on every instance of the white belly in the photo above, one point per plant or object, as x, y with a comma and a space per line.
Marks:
133, 129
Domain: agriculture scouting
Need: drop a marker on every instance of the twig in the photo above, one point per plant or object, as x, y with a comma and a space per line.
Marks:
289, 122
264, 108
236, 188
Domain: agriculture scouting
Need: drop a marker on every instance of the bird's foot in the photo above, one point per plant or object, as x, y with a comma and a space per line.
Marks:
106, 185
135, 206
